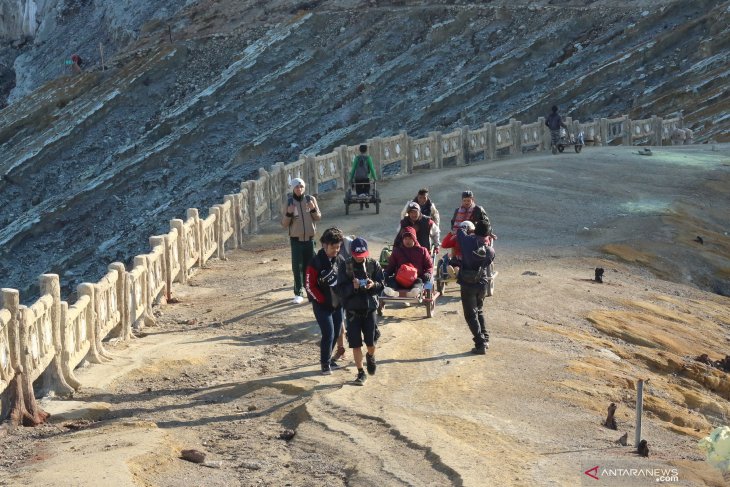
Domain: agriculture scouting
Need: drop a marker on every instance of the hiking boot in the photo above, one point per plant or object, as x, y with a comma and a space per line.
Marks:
389, 291
371, 365
479, 350
361, 378
326, 370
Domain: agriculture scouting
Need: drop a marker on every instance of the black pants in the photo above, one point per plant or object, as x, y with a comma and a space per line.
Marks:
362, 186
472, 301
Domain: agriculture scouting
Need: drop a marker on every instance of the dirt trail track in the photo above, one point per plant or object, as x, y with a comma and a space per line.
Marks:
232, 368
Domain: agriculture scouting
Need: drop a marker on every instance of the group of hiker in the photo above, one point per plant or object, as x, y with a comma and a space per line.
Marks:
343, 281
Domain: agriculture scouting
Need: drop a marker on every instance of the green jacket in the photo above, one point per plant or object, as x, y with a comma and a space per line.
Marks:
371, 168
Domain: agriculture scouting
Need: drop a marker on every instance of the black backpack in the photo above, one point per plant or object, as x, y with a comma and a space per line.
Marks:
361, 170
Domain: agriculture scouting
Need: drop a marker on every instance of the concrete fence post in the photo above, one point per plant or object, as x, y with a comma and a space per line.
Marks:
603, 131
254, 224
218, 231
179, 225
343, 167
53, 377
407, 164
657, 126
11, 302
438, 160
312, 180
375, 150
122, 302
463, 158
628, 131
541, 131
235, 222
516, 130
94, 356
66, 350
141, 260
166, 261
491, 151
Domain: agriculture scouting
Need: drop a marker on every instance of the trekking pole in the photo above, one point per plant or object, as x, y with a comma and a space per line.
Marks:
169, 33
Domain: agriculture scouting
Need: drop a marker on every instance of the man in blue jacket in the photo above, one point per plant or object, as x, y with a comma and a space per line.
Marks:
472, 277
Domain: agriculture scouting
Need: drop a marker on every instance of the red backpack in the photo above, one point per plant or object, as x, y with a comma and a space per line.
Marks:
406, 275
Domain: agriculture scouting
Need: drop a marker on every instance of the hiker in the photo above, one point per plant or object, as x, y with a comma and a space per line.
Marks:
362, 172
427, 232
452, 261
321, 277
476, 257
359, 282
300, 216
428, 208
554, 122
76, 63
470, 211
342, 256
409, 266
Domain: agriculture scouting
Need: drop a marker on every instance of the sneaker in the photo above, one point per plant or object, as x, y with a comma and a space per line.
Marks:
361, 378
413, 293
326, 369
298, 300
479, 350
389, 291
371, 365
334, 365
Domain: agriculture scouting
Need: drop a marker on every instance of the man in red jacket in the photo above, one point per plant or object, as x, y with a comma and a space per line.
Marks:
410, 252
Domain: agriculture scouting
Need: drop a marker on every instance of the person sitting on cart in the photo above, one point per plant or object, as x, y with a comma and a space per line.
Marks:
554, 122
362, 172
427, 232
450, 264
409, 266
428, 208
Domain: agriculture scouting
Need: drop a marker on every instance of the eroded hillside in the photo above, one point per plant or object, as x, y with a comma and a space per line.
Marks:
198, 95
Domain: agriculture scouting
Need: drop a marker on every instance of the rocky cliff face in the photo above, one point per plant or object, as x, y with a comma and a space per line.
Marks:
200, 94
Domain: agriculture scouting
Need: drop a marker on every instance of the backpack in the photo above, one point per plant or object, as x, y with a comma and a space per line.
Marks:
361, 169
385, 256
476, 276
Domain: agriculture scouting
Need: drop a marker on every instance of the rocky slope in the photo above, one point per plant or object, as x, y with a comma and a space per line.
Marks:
200, 94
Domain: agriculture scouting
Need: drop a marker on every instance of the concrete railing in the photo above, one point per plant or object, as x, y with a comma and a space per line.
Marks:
51, 337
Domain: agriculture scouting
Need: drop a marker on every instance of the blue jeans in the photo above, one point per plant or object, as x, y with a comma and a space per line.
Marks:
330, 323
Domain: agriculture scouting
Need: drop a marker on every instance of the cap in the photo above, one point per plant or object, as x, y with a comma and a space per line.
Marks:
359, 248
466, 225
467, 194
413, 206
297, 182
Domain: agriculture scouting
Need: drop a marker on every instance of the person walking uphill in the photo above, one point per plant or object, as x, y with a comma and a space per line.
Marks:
475, 258
320, 281
300, 216
359, 282
362, 171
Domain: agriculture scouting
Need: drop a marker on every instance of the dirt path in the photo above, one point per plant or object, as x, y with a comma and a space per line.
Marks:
232, 369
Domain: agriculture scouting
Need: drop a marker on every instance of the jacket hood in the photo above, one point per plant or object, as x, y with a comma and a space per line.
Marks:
412, 232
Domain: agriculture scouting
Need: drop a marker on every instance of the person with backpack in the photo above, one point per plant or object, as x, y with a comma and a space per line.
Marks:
321, 277
362, 172
554, 122
470, 211
300, 214
359, 282
476, 256
409, 266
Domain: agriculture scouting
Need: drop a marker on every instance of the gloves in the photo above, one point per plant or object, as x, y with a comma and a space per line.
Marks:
329, 278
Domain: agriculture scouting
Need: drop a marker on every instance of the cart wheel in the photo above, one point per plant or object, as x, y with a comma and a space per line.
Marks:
561, 148
578, 148
347, 209
377, 208
430, 309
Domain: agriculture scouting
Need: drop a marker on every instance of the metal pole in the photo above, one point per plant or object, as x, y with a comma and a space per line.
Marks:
639, 411
101, 51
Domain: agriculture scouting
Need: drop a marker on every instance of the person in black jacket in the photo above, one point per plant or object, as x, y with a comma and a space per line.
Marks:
475, 258
427, 232
320, 278
470, 211
554, 122
359, 282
